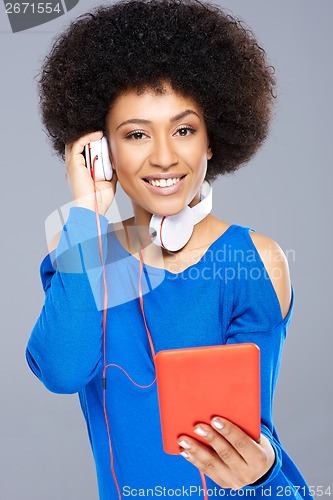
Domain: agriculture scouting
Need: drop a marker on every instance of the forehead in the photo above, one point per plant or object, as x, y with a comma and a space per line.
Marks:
151, 104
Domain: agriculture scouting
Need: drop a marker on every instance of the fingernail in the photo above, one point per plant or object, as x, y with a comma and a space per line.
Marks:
184, 444
184, 454
217, 423
201, 432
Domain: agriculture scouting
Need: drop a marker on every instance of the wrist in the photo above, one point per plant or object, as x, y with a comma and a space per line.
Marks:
89, 205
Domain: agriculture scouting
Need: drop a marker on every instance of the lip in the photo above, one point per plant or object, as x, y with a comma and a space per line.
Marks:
164, 191
170, 175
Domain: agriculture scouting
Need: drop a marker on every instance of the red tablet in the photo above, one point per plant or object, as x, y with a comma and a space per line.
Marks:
196, 384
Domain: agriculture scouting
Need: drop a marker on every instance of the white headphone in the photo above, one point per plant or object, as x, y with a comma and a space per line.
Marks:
174, 231
98, 151
171, 232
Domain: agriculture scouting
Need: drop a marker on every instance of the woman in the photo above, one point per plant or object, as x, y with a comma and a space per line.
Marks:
183, 94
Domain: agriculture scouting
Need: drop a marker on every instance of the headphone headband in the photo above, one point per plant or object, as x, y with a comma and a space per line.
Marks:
204, 207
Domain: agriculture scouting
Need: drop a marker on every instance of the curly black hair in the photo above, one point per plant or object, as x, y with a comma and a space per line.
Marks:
203, 52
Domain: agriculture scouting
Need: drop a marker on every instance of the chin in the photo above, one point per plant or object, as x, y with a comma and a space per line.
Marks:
169, 211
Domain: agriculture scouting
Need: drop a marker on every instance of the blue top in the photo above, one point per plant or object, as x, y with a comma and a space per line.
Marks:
225, 298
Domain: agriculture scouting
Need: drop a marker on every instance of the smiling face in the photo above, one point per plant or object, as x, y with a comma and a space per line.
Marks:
159, 149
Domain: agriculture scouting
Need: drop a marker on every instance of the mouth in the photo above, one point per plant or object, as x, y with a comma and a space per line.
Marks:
165, 186
164, 182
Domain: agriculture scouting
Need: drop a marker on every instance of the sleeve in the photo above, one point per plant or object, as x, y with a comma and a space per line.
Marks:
64, 349
256, 317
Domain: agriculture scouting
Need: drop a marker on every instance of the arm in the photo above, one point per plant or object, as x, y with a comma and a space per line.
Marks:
64, 350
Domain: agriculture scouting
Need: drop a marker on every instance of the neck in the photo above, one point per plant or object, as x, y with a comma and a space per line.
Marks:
141, 221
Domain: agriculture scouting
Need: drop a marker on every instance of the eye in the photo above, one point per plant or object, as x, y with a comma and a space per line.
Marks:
136, 135
184, 131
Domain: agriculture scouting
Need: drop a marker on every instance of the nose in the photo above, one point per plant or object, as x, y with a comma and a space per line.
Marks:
163, 153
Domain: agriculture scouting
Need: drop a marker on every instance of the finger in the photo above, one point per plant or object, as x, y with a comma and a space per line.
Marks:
240, 441
228, 454
73, 151
206, 460
78, 146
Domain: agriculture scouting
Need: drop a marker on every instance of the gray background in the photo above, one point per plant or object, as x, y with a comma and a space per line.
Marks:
284, 193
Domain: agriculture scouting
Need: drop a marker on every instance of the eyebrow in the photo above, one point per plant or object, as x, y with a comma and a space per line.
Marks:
172, 120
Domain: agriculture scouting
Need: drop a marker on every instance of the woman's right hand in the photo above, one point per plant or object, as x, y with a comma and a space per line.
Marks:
80, 180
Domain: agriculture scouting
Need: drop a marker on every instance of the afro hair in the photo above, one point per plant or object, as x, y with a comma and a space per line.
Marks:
203, 52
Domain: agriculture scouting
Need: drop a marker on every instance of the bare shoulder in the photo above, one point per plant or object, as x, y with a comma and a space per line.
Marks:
277, 268
216, 227
53, 243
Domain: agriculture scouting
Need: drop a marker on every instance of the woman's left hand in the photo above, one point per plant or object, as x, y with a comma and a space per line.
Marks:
234, 461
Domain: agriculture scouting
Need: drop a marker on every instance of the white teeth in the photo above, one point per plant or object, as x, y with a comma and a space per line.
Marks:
164, 182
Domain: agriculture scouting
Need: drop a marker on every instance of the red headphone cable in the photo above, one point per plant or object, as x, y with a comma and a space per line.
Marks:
105, 307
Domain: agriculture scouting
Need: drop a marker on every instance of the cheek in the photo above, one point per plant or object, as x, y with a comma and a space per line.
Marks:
199, 160
127, 165
201, 166
126, 158
195, 152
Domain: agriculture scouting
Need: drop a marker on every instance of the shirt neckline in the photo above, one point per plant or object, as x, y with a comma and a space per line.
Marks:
158, 270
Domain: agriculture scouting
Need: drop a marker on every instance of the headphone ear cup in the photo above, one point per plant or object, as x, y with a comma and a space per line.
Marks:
97, 154
105, 158
155, 229
173, 231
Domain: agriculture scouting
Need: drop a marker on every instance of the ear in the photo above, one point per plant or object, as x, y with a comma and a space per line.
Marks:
209, 153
